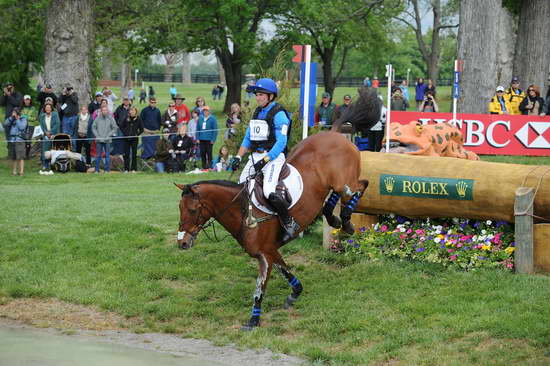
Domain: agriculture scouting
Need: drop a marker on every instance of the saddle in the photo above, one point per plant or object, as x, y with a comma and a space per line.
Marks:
290, 183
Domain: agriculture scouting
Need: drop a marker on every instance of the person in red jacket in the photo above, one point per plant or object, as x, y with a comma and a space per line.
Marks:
183, 112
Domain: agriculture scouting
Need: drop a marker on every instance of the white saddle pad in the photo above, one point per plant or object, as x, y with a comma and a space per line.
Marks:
293, 183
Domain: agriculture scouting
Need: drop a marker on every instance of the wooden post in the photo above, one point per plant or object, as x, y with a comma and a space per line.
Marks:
523, 209
327, 230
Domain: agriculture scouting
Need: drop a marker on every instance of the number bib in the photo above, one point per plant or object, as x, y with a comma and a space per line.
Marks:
259, 130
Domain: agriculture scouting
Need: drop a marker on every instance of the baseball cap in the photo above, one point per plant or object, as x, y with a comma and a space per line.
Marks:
26, 97
99, 94
515, 79
206, 108
48, 100
326, 95
500, 88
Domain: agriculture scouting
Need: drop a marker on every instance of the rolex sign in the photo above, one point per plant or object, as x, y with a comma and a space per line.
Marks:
426, 187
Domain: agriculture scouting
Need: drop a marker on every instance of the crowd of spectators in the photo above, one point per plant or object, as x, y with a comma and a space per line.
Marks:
515, 101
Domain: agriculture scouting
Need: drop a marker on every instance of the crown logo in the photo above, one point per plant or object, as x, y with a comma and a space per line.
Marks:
461, 188
389, 182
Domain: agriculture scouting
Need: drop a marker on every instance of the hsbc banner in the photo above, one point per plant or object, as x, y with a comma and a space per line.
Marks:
492, 134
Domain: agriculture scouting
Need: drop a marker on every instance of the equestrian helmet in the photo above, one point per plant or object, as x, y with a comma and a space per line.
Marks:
264, 85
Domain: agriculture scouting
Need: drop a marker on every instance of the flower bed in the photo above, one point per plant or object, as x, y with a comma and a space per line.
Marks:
465, 243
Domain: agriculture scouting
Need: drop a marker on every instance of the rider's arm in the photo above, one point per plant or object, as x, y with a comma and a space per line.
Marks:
281, 130
245, 146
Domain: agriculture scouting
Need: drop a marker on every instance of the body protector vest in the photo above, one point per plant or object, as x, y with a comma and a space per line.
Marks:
262, 131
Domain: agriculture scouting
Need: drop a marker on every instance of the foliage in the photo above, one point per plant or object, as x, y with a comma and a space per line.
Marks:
462, 243
22, 25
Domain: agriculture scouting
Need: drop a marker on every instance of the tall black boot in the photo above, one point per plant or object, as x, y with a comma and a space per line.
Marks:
281, 207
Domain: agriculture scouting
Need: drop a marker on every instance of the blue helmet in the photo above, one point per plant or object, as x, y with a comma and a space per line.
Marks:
264, 85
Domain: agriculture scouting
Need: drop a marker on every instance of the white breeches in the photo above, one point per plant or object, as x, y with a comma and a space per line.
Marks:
271, 171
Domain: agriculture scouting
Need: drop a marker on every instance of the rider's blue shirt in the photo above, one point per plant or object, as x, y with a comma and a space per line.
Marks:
279, 121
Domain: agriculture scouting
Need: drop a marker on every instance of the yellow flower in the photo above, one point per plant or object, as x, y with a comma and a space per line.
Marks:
509, 250
441, 236
486, 247
335, 231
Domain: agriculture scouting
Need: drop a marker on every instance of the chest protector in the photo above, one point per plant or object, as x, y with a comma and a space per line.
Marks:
262, 131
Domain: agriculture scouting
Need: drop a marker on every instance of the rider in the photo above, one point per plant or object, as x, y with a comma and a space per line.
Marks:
267, 136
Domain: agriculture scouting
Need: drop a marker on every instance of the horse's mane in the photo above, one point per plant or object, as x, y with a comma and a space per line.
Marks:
219, 182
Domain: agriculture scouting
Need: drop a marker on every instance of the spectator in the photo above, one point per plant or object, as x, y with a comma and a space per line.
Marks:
375, 83
207, 132
96, 103
249, 84
131, 95
183, 112
50, 125
150, 116
339, 111
151, 93
221, 89
376, 133
405, 90
499, 104
192, 125
111, 98
173, 91
430, 87
547, 102
215, 92
394, 87
16, 125
131, 127
233, 118
47, 92
84, 133
181, 148
142, 96
68, 102
104, 128
31, 115
367, 82
420, 92
221, 162
170, 118
199, 104
162, 151
429, 103
120, 115
398, 103
325, 111
532, 104
101, 104
10, 99
515, 96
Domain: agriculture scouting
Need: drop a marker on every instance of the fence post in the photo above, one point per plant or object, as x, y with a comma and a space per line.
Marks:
523, 210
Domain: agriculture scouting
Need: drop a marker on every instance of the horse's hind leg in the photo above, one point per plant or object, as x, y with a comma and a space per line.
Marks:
328, 210
347, 210
294, 283
264, 267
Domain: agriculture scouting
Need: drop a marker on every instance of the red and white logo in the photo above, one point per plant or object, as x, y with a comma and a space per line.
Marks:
531, 135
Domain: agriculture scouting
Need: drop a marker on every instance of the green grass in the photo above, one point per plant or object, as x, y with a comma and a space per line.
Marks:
109, 241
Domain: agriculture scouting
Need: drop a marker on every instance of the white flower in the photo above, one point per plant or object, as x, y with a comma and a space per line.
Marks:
482, 237
437, 240
455, 220
422, 238
490, 236
407, 222
402, 229
474, 238
438, 231
392, 215
376, 226
484, 232
488, 222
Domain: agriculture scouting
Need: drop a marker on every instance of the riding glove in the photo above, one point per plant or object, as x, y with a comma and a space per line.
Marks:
235, 163
258, 166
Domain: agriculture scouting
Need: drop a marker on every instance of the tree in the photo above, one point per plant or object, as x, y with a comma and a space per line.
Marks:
412, 17
333, 27
69, 46
532, 55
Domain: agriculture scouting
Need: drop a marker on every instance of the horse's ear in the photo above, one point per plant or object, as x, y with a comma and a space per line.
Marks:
180, 186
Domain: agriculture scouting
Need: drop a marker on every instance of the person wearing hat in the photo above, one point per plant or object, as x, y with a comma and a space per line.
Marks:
267, 137
515, 96
15, 125
47, 92
499, 104
207, 133
339, 111
183, 112
31, 114
323, 115
96, 103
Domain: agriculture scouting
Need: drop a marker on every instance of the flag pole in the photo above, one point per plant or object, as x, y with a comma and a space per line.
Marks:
306, 90
389, 74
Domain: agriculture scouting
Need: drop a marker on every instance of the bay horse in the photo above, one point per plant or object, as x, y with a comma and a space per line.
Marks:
328, 163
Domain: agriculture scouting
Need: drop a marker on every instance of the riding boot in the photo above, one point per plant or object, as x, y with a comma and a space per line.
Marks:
281, 207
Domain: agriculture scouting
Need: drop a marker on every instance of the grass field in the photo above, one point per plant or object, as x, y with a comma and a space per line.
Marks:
109, 241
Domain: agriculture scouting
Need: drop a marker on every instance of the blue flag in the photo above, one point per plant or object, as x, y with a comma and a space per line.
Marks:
312, 91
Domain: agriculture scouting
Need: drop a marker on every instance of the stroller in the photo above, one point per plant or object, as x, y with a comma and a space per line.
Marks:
61, 144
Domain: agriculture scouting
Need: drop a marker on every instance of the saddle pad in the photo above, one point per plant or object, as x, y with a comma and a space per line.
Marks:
293, 183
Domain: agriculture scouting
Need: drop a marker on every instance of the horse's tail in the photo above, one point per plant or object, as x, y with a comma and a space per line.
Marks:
362, 113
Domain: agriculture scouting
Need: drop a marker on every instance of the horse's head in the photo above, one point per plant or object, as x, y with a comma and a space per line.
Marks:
193, 215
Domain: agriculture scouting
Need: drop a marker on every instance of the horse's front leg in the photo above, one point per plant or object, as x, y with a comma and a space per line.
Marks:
264, 268
294, 283
328, 210
349, 207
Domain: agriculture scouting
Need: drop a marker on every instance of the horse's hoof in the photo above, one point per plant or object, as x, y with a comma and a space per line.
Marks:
248, 328
348, 228
290, 300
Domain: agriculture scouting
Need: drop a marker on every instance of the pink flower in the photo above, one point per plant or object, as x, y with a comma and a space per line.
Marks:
419, 231
450, 250
402, 236
452, 257
409, 231
510, 265
383, 228
459, 245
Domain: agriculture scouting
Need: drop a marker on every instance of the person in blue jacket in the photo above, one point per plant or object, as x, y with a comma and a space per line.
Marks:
266, 137
207, 132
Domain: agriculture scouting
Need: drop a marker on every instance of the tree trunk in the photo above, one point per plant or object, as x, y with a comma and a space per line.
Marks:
125, 78
106, 64
433, 59
186, 68
477, 22
329, 81
506, 40
232, 65
171, 59
68, 46
221, 71
532, 58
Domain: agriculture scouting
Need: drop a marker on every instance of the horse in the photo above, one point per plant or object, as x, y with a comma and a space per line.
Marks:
328, 163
